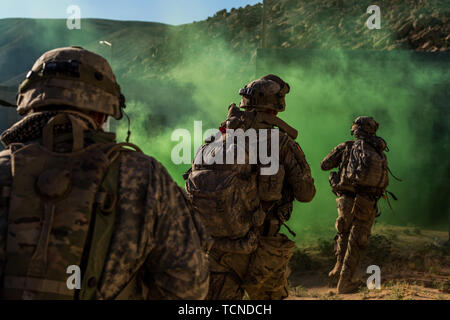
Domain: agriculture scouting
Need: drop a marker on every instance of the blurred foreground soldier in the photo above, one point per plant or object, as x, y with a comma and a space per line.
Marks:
78, 210
360, 182
244, 209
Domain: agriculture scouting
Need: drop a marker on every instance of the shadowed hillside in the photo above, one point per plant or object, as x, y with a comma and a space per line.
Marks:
23, 40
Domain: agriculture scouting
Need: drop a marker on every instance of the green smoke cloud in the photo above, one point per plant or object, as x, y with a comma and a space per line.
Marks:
404, 93
175, 76
401, 91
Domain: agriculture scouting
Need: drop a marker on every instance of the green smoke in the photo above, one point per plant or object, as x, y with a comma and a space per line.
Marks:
198, 88
404, 95
328, 92
173, 76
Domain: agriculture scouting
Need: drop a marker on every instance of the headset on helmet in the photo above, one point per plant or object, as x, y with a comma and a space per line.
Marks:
366, 124
266, 93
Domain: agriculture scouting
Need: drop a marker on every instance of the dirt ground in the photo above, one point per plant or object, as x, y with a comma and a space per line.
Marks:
414, 263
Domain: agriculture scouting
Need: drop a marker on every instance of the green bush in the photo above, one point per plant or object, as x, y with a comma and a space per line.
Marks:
379, 249
300, 261
326, 247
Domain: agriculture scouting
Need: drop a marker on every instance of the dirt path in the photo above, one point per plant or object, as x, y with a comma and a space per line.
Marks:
416, 287
415, 265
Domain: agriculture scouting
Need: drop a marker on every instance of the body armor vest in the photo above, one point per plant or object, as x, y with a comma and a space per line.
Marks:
60, 219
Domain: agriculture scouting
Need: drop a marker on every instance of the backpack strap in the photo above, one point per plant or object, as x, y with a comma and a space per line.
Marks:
114, 152
398, 179
102, 227
78, 127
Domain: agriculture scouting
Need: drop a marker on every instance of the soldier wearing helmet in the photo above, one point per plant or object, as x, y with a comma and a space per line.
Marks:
249, 253
81, 216
264, 94
359, 183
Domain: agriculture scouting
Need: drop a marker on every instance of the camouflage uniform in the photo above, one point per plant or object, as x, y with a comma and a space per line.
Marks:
258, 262
356, 205
114, 212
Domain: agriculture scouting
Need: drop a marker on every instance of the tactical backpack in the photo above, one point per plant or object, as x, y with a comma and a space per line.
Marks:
367, 167
61, 215
228, 197
225, 196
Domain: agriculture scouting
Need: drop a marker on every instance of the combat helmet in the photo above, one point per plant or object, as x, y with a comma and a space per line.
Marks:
266, 93
365, 124
72, 77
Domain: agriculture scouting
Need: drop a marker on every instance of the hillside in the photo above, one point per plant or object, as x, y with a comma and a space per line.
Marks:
145, 48
175, 75
24, 40
340, 24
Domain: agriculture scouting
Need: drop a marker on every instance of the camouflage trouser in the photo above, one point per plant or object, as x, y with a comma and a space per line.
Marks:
262, 274
225, 286
353, 225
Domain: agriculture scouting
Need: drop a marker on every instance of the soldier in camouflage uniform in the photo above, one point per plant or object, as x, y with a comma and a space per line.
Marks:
244, 210
72, 199
358, 186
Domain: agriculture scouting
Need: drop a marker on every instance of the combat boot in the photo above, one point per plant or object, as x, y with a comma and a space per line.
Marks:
351, 260
346, 283
346, 286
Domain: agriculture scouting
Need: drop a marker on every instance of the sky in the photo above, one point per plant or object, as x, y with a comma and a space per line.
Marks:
166, 11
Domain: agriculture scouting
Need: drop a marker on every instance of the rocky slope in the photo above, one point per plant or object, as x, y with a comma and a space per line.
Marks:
150, 48
405, 24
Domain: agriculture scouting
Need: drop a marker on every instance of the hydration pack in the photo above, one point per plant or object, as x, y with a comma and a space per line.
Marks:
367, 166
229, 197
224, 195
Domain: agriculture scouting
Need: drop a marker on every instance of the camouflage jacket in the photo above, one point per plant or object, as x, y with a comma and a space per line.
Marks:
155, 249
297, 170
336, 157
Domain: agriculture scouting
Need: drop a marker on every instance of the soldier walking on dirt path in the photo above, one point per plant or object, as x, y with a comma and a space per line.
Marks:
244, 209
360, 182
